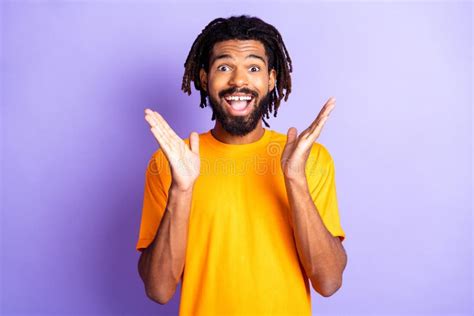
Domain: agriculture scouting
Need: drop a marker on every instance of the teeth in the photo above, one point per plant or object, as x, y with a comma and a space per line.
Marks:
238, 98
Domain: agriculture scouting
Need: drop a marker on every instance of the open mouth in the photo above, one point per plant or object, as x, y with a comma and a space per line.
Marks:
239, 103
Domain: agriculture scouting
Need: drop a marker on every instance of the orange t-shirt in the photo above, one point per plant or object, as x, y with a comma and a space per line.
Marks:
241, 257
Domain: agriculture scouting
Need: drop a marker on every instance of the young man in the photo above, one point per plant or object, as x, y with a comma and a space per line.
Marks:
241, 214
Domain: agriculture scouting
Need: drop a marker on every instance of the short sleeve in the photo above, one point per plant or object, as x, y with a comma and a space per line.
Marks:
155, 198
321, 175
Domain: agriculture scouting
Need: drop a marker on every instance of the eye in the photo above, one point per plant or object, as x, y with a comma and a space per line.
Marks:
254, 69
223, 68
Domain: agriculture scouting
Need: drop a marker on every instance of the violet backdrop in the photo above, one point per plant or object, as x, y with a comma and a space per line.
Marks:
77, 75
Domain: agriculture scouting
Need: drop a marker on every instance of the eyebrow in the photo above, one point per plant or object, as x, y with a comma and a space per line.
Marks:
227, 56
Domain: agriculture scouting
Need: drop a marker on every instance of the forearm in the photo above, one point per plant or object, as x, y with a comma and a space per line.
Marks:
322, 256
164, 261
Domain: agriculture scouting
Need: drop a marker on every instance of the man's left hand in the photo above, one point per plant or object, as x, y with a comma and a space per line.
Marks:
297, 147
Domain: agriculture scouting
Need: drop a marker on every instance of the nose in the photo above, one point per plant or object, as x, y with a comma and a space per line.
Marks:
238, 78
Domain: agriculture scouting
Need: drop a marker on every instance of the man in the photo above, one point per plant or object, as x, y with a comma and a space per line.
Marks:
241, 214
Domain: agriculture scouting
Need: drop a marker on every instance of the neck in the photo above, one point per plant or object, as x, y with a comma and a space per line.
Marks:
223, 136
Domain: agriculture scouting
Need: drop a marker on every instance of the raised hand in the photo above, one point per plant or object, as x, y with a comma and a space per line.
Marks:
184, 160
297, 148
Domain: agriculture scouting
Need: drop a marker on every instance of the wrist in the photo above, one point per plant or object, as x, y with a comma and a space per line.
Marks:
296, 180
182, 189
294, 171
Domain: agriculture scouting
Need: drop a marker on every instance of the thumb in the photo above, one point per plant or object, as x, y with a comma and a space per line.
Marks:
292, 132
290, 141
194, 142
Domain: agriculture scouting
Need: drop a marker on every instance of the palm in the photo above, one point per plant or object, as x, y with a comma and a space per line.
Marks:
298, 147
183, 159
184, 163
293, 152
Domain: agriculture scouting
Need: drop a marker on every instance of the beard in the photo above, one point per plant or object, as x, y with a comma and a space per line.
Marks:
239, 125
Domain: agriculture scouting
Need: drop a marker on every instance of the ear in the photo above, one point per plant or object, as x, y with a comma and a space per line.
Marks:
203, 78
272, 80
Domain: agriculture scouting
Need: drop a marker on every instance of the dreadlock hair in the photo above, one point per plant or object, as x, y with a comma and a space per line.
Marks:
241, 27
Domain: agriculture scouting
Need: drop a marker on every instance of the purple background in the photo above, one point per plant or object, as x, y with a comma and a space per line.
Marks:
76, 77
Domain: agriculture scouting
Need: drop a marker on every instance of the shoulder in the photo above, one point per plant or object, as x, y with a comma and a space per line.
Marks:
320, 164
320, 161
321, 153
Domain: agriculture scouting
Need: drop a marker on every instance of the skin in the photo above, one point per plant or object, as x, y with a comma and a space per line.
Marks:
322, 255
161, 264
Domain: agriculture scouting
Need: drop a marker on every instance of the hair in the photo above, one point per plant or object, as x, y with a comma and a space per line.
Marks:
241, 27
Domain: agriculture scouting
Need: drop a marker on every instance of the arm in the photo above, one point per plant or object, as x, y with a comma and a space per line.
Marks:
161, 264
323, 256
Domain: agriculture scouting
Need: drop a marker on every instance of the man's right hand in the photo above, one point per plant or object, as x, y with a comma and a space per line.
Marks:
184, 160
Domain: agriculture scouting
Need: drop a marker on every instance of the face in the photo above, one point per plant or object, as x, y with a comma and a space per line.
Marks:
238, 84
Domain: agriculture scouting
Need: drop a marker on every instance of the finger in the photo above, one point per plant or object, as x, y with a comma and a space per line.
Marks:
157, 120
158, 132
151, 120
321, 125
317, 130
323, 115
330, 101
148, 111
194, 142
166, 128
291, 139
162, 141
291, 135
327, 107
150, 117
325, 110
162, 138
173, 142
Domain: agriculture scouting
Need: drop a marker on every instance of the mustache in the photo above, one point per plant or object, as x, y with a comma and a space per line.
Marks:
235, 90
